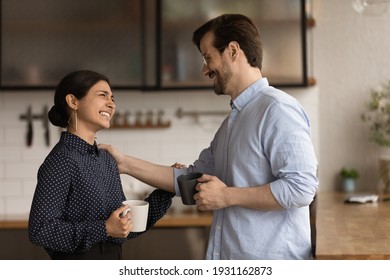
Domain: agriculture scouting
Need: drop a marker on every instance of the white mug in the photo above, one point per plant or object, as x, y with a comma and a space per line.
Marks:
139, 210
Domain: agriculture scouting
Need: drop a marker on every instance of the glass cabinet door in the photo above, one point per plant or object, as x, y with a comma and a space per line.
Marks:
139, 44
41, 41
281, 24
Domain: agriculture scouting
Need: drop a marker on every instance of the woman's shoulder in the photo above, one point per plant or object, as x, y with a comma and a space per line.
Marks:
106, 155
60, 155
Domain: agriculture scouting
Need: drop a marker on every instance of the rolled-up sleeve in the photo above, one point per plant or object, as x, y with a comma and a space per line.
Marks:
288, 146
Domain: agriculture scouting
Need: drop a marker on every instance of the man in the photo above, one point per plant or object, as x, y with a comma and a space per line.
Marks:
260, 168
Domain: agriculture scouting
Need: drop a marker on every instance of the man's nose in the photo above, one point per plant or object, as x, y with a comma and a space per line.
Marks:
205, 70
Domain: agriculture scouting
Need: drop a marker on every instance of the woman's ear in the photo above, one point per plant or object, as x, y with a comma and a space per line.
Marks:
72, 101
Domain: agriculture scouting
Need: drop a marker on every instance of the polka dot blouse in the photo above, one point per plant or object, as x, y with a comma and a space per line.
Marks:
78, 188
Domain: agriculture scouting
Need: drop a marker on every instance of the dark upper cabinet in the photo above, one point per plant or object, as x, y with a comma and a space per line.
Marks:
282, 25
43, 40
139, 44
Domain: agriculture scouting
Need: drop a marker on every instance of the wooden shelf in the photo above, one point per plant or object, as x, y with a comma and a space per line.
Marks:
158, 126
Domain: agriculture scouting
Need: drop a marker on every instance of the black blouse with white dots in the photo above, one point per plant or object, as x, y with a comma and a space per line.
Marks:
78, 188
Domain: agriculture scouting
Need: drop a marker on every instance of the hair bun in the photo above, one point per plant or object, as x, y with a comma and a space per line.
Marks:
57, 118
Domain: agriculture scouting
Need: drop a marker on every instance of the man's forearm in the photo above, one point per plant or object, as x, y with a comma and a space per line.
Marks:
259, 198
155, 175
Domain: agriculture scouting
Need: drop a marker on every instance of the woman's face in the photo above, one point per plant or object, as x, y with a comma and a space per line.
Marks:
97, 108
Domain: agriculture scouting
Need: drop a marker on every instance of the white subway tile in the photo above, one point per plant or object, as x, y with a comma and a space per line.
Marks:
19, 206
21, 170
182, 150
10, 118
11, 189
10, 154
15, 136
22, 100
2, 172
28, 187
2, 206
2, 135
35, 154
145, 151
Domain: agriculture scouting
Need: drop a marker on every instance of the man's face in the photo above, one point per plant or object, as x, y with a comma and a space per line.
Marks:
215, 65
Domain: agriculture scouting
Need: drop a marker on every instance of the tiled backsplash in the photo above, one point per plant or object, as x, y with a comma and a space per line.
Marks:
180, 142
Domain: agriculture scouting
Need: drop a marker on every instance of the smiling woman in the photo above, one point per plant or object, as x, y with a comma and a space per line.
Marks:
75, 213
95, 111
87, 111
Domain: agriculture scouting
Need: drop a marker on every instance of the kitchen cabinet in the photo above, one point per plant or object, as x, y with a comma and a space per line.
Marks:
43, 40
282, 25
156, 244
139, 44
176, 236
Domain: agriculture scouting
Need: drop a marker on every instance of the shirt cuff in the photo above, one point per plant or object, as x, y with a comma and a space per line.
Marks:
176, 173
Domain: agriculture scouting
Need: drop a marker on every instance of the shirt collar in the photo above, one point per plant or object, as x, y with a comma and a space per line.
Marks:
248, 94
76, 143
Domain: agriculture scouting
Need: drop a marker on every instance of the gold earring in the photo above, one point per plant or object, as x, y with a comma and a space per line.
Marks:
74, 113
76, 119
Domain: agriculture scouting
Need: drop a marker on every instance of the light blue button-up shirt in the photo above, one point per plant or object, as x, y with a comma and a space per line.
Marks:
265, 139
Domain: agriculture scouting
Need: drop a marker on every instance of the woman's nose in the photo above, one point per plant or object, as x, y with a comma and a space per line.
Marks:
111, 104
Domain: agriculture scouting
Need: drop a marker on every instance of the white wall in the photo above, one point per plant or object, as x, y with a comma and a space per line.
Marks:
351, 56
181, 142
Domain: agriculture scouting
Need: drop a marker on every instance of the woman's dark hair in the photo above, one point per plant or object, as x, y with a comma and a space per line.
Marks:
77, 83
234, 27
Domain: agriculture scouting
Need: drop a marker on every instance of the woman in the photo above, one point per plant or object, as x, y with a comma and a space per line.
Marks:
75, 213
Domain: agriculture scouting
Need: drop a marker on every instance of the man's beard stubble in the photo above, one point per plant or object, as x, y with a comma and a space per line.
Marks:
221, 79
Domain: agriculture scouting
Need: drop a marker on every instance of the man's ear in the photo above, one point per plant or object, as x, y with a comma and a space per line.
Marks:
234, 48
72, 101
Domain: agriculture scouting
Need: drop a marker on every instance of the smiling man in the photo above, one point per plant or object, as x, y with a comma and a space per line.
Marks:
260, 168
